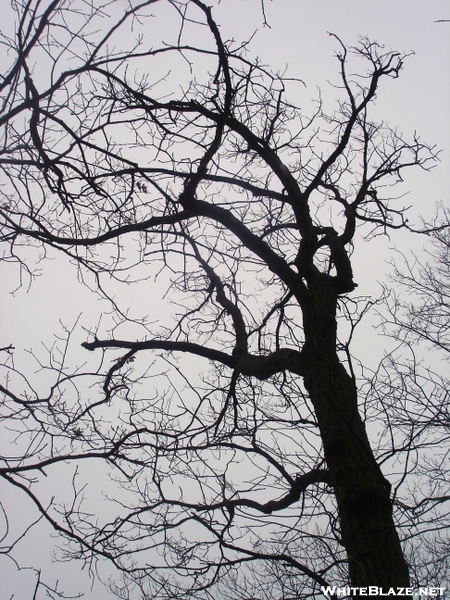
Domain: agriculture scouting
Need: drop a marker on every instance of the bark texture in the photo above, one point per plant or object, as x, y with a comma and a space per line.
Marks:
362, 493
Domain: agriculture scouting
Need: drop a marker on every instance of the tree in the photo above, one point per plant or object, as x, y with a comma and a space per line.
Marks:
408, 394
211, 180
428, 318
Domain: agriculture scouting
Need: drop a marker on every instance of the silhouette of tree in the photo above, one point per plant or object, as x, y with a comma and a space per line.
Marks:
409, 396
230, 427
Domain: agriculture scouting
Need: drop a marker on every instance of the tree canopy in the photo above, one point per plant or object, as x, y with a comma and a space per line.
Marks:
249, 454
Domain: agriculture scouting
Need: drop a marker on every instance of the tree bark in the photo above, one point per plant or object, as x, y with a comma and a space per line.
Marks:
362, 493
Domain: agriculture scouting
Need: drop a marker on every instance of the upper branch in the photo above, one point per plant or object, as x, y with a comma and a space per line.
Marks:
383, 65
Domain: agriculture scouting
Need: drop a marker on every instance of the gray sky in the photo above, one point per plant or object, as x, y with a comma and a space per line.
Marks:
297, 38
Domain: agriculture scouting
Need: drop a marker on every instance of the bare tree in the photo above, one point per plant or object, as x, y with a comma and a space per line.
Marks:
409, 395
425, 316
251, 464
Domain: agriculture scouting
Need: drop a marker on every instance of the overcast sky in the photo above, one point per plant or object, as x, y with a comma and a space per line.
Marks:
298, 38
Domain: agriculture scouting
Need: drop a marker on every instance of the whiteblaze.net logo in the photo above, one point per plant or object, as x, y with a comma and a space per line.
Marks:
373, 590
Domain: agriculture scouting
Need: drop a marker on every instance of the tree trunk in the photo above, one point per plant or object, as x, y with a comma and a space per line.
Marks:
362, 493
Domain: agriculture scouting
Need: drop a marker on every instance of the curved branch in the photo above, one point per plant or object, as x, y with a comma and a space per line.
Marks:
299, 486
261, 367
